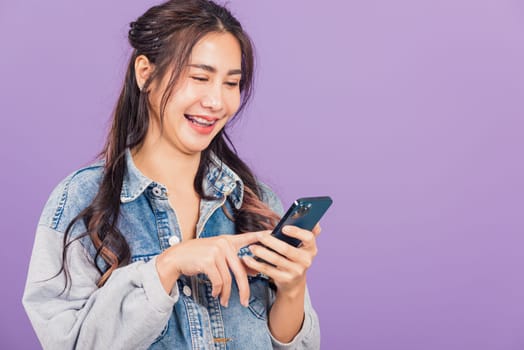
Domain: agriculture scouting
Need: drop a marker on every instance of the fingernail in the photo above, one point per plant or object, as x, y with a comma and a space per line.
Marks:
245, 303
287, 229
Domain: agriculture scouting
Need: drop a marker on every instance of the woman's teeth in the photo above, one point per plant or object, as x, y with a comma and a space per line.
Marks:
200, 121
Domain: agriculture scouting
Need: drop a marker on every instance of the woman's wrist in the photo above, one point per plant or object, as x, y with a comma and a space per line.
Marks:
167, 272
296, 291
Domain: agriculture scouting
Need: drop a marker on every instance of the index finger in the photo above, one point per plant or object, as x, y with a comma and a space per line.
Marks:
243, 239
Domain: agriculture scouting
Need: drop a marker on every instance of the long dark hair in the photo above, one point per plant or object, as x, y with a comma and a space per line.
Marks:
166, 35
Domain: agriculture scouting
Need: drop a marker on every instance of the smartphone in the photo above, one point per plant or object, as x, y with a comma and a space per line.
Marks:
304, 213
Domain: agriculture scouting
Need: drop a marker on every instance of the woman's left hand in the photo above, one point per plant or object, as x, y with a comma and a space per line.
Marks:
291, 264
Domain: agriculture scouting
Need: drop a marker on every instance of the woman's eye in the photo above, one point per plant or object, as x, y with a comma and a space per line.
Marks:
232, 83
199, 78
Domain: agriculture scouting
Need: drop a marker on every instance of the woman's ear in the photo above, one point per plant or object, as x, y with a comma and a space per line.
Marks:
143, 70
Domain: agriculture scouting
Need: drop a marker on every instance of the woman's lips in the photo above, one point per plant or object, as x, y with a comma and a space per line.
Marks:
201, 124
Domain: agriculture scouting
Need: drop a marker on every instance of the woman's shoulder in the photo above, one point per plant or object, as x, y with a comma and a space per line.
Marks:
73, 194
269, 197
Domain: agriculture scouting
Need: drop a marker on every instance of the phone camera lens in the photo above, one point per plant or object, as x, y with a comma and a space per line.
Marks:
301, 210
304, 209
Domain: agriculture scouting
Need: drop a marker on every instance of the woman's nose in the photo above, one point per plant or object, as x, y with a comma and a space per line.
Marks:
212, 99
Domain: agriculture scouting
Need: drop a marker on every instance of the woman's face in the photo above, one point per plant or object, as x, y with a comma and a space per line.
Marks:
205, 97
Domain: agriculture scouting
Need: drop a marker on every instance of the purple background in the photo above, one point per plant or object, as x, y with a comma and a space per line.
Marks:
408, 113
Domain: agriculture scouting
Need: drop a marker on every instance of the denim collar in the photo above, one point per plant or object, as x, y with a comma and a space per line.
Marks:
219, 181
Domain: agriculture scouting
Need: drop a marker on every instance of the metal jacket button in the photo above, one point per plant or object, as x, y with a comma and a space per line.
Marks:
157, 191
187, 291
173, 240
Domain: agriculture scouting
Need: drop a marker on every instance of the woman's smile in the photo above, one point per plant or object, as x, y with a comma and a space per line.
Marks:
202, 124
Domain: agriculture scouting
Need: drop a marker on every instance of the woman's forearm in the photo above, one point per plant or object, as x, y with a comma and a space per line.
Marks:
287, 314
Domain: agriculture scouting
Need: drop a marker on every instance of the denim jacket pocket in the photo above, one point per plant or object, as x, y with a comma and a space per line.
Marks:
257, 307
258, 297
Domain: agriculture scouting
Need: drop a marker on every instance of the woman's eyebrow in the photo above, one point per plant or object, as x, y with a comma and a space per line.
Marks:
212, 69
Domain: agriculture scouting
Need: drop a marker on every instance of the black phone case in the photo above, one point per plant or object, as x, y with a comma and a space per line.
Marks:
304, 213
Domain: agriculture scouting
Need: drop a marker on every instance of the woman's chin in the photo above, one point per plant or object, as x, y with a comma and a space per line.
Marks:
192, 147
196, 143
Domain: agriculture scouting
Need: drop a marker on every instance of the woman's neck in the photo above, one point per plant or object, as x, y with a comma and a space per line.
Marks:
167, 165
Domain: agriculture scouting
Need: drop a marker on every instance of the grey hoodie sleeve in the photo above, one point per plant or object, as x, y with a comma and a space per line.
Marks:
128, 312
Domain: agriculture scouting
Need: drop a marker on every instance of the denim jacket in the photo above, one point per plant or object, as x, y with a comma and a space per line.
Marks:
132, 310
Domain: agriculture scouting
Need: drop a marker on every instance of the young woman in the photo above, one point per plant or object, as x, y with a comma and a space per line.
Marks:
140, 250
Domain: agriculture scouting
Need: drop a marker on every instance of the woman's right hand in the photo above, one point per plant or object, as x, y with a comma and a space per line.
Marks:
215, 257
